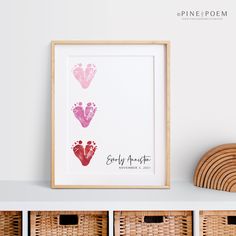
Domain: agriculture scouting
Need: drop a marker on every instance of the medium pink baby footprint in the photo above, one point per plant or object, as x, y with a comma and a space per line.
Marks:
84, 115
84, 76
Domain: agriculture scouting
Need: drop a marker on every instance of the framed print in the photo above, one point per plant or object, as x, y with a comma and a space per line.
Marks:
110, 114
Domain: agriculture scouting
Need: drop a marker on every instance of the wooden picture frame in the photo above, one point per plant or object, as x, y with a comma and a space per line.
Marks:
131, 127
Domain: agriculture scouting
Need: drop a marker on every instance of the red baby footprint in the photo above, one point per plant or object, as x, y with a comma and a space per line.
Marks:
84, 154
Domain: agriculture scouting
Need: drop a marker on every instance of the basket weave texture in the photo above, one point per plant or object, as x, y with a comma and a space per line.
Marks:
216, 223
45, 223
10, 223
175, 223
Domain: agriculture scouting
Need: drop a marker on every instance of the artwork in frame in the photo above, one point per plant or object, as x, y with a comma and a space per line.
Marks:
110, 114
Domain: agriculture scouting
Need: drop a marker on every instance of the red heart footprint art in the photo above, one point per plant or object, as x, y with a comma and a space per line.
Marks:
84, 76
84, 115
84, 154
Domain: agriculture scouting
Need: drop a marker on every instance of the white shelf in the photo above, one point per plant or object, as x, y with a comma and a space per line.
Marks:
182, 195
27, 196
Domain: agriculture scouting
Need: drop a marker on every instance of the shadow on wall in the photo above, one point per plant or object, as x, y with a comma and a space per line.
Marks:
46, 122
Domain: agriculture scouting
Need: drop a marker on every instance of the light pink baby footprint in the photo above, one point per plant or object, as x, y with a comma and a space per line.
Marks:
84, 115
84, 76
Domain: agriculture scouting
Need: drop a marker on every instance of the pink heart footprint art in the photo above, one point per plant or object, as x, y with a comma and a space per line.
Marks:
84, 115
84, 76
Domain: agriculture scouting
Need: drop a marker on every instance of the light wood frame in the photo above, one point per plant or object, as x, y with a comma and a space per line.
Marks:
167, 98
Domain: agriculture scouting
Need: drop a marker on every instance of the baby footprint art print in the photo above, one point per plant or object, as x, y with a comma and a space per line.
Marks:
84, 75
84, 114
84, 152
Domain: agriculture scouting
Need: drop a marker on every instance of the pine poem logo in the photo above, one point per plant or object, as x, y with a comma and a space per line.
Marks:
202, 14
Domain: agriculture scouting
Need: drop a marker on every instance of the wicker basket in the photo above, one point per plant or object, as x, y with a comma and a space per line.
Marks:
68, 223
10, 223
158, 223
218, 223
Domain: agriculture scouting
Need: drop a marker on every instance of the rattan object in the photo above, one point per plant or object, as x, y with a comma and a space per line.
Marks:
217, 169
68, 223
10, 223
218, 223
158, 223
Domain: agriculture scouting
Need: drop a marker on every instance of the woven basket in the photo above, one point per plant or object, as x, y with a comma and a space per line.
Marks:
218, 223
10, 223
68, 223
158, 223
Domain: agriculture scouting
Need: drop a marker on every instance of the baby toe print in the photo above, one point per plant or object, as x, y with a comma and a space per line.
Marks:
78, 150
84, 115
84, 76
90, 150
91, 146
78, 73
90, 72
78, 111
90, 111
84, 154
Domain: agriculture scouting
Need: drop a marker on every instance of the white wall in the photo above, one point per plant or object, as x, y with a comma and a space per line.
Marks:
203, 74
